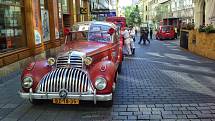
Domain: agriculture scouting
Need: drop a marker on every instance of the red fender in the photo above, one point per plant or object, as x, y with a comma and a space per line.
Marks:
37, 70
106, 69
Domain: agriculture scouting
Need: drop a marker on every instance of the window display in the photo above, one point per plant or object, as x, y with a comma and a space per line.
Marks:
60, 20
45, 19
11, 25
65, 6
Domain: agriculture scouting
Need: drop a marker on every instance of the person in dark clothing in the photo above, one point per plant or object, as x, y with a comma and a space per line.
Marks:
150, 32
141, 36
145, 37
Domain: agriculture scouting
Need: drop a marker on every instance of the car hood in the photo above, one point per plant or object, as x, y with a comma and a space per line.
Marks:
88, 48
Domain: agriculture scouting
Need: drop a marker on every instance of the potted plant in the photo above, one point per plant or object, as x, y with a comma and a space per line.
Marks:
208, 29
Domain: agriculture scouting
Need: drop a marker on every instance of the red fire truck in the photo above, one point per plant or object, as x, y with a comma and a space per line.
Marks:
119, 21
176, 22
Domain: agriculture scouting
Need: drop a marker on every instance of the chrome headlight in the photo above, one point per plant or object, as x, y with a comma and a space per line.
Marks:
27, 82
88, 61
100, 83
51, 61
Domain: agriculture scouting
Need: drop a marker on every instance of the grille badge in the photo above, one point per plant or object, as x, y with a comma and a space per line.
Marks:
63, 93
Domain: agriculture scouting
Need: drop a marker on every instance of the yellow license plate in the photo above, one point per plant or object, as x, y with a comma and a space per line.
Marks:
65, 101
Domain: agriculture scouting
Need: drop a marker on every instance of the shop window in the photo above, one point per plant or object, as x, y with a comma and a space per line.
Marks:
45, 19
11, 25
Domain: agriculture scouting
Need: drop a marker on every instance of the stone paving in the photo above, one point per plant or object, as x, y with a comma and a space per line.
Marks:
161, 82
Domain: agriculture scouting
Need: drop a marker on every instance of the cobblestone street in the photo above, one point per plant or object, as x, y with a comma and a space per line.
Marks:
161, 82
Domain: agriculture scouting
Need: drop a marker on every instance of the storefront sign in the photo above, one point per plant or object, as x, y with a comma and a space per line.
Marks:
83, 10
110, 14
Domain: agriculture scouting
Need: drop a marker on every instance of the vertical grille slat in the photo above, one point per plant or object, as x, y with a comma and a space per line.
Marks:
56, 81
50, 82
72, 79
86, 83
74, 61
69, 80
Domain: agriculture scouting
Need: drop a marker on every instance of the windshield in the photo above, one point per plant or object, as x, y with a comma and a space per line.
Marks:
99, 33
78, 36
164, 29
119, 26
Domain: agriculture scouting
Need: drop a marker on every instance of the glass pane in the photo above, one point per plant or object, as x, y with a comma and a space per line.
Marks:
11, 28
64, 6
60, 18
45, 19
16, 2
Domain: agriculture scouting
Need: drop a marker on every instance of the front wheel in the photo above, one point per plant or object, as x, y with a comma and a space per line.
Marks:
36, 102
108, 103
120, 67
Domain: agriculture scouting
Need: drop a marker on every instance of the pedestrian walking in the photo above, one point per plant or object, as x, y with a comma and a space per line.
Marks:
141, 35
145, 36
132, 37
127, 40
135, 32
151, 33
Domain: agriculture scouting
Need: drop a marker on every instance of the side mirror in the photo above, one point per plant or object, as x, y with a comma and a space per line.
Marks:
111, 31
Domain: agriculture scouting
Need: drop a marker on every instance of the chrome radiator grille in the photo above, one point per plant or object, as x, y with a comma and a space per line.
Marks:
72, 61
71, 79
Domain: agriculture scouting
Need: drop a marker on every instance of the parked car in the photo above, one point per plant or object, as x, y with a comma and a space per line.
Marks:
165, 32
82, 71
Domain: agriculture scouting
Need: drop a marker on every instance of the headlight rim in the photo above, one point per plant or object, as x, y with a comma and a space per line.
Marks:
31, 83
88, 58
96, 83
49, 61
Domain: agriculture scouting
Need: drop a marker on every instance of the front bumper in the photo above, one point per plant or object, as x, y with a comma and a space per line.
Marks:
48, 96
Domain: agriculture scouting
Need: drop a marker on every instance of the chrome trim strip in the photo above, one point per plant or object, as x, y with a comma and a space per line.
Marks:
87, 97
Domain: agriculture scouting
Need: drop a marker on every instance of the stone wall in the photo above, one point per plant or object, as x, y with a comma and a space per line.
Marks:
202, 43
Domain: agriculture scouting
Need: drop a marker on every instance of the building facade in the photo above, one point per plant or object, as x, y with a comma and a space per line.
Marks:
34, 29
204, 12
183, 9
165, 10
144, 12
154, 11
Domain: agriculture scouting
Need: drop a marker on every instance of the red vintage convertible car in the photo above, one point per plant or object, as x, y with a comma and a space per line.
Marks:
86, 69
